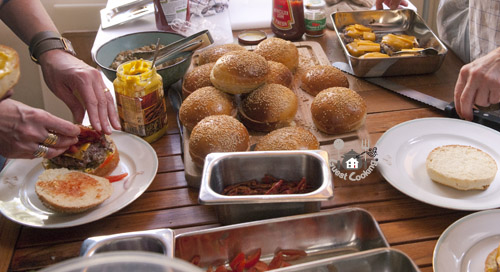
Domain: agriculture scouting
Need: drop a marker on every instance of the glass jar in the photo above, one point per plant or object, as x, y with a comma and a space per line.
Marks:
315, 18
166, 11
140, 100
288, 19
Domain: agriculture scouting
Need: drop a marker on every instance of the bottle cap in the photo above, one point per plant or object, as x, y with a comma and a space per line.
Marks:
251, 37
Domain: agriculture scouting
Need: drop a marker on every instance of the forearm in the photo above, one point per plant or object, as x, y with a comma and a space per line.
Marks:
26, 18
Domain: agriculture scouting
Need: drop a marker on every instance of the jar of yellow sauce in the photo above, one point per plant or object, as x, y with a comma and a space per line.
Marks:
140, 100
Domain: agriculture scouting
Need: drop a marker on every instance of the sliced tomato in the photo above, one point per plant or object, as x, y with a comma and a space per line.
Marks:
260, 266
292, 254
235, 263
118, 178
196, 259
107, 160
276, 262
253, 258
221, 268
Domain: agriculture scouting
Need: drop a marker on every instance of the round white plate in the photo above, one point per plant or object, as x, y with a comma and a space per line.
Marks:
464, 246
19, 202
403, 149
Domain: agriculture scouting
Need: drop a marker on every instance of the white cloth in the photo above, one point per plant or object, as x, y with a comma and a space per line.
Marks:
469, 28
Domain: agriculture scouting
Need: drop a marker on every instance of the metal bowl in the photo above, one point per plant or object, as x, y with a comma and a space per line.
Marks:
107, 52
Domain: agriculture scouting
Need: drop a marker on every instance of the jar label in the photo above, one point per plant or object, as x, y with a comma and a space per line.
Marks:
315, 25
282, 14
174, 9
144, 115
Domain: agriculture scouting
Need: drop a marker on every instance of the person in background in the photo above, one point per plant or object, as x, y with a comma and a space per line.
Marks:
470, 29
27, 132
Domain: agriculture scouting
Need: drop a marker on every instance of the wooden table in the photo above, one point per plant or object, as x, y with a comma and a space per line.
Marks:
408, 224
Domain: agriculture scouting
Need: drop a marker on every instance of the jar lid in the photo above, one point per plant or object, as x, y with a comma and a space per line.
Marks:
314, 4
251, 37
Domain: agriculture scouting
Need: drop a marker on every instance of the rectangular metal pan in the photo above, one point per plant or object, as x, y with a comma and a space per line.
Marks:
403, 21
223, 169
321, 235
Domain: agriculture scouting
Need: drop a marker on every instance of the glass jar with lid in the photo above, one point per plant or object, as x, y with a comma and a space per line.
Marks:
140, 100
315, 17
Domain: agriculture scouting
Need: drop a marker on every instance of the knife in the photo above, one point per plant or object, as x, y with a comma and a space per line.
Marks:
480, 117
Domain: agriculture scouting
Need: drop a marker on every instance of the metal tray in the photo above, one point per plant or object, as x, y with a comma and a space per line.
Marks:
381, 259
321, 235
223, 169
403, 21
157, 241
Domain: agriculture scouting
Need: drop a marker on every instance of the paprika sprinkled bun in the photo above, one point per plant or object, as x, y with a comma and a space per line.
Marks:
279, 50
279, 74
213, 53
217, 133
196, 78
269, 107
319, 77
10, 72
204, 102
239, 72
288, 138
338, 110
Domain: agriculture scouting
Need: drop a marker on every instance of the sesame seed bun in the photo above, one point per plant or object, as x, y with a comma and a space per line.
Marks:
196, 78
217, 133
239, 72
319, 77
338, 110
279, 74
279, 50
288, 138
213, 53
204, 102
269, 107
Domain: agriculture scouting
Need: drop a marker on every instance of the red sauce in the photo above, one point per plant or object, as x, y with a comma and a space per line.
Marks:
288, 19
160, 16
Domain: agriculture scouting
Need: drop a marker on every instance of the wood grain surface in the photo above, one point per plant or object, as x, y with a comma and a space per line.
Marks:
408, 224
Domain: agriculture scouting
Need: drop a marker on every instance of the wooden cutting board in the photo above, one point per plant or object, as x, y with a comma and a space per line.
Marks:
310, 53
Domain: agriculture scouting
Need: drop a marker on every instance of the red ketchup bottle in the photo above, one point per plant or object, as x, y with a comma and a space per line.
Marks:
288, 19
168, 10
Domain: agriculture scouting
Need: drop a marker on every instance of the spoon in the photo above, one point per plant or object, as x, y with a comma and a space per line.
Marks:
429, 51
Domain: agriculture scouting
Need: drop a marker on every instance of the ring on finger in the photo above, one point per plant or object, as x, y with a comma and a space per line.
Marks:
106, 90
41, 151
50, 140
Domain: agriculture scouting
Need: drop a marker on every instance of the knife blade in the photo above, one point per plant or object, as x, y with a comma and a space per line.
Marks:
480, 117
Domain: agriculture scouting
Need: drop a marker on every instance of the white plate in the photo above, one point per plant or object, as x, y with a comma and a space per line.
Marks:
403, 149
464, 246
19, 202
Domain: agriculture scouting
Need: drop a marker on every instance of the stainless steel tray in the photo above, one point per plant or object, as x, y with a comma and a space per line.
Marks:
403, 21
381, 259
223, 169
321, 235
157, 241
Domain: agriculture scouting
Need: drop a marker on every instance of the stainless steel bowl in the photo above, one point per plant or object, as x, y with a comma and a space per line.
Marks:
223, 169
402, 21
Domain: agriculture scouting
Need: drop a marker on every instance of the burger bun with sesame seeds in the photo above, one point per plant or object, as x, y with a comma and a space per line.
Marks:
204, 102
338, 110
319, 77
196, 78
288, 138
279, 50
239, 72
217, 133
269, 107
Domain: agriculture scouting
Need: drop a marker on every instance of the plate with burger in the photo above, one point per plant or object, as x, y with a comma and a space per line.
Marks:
94, 178
472, 243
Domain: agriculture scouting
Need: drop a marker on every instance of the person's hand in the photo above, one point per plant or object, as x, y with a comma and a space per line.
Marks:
478, 83
392, 4
66, 76
23, 129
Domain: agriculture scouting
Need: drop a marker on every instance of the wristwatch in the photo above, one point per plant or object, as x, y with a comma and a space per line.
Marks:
48, 40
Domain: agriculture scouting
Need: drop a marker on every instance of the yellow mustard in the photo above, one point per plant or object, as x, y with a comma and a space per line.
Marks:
140, 100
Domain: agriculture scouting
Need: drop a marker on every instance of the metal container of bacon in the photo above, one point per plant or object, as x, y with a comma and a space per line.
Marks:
226, 169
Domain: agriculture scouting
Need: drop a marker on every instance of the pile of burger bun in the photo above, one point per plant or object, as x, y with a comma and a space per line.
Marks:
232, 90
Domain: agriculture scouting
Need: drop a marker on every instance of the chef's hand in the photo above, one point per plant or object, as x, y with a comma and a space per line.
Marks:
478, 83
392, 4
23, 129
66, 76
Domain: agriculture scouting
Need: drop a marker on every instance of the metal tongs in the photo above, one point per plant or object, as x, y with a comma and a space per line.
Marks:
171, 51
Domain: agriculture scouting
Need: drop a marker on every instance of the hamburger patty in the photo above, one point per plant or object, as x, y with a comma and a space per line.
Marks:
95, 154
